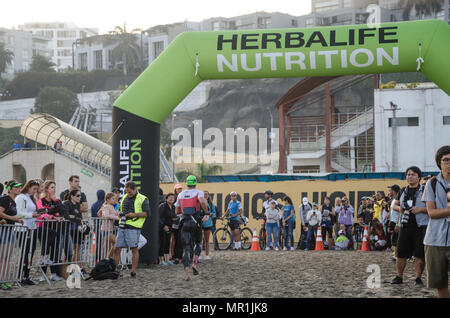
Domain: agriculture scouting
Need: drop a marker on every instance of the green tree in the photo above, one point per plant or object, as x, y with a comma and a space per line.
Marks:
56, 101
204, 169
6, 58
127, 50
422, 7
41, 64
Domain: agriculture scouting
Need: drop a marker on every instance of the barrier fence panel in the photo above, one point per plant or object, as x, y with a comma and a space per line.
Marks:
13, 240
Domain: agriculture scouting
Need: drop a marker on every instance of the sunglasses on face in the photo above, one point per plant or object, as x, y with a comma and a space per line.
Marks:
77, 195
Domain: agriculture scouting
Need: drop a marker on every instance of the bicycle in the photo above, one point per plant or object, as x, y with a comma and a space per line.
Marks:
262, 236
224, 238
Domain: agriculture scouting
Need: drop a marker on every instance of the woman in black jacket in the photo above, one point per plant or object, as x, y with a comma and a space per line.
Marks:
166, 217
72, 213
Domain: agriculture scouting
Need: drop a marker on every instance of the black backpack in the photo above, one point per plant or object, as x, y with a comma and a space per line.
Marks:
105, 269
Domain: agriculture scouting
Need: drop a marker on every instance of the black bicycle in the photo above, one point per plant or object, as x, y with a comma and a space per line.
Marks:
224, 238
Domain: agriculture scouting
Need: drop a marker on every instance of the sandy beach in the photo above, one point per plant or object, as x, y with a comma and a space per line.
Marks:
286, 274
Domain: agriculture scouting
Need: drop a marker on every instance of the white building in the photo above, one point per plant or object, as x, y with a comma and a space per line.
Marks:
421, 126
62, 36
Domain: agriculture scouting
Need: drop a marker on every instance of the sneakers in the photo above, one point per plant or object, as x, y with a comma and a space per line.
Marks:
397, 280
28, 281
267, 248
55, 278
194, 269
176, 262
285, 248
277, 249
5, 286
42, 279
163, 263
45, 260
133, 275
170, 263
208, 257
291, 248
418, 282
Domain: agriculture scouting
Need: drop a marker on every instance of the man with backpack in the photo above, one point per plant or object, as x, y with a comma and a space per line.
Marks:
437, 237
413, 225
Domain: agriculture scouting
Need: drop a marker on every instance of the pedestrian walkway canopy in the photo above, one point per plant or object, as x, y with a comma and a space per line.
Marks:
47, 130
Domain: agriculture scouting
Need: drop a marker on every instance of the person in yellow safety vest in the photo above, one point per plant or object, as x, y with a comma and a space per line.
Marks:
134, 208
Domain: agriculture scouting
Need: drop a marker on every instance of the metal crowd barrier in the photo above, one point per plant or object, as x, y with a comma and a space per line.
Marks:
13, 241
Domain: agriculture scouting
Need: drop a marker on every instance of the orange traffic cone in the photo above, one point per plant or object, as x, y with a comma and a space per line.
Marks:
319, 242
365, 244
255, 242
93, 243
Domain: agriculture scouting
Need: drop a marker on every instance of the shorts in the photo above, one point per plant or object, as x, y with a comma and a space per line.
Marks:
437, 259
128, 237
410, 242
235, 225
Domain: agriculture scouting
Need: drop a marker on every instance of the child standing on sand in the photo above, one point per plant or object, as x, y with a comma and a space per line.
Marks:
109, 215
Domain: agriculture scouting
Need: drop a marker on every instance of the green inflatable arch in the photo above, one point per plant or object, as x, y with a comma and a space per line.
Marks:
195, 56
325, 51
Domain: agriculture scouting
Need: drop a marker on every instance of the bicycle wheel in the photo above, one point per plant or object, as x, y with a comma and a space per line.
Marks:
246, 238
262, 239
223, 238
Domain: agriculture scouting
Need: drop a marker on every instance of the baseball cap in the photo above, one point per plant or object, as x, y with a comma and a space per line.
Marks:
115, 189
14, 184
341, 232
178, 186
395, 187
364, 198
305, 200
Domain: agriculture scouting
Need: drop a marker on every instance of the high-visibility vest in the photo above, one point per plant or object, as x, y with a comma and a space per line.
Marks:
138, 202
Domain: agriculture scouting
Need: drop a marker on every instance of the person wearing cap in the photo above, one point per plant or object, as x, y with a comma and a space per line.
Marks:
190, 203
8, 215
235, 211
341, 241
303, 211
314, 218
413, 225
393, 228
364, 210
116, 192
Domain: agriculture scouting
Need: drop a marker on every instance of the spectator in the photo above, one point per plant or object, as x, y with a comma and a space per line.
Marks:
208, 226
413, 225
135, 208
176, 246
327, 223
98, 204
2, 187
116, 192
108, 228
364, 211
50, 234
8, 214
437, 238
272, 218
341, 241
166, 217
288, 223
162, 198
71, 212
27, 210
314, 218
335, 215
393, 229
304, 208
358, 230
16, 145
235, 211
377, 205
377, 238
74, 184
58, 145
345, 213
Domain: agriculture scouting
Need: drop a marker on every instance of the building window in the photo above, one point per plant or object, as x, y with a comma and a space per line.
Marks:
404, 121
98, 56
306, 169
264, 22
347, 3
294, 23
158, 47
309, 22
65, 52
67, 34
446, 120
83, 61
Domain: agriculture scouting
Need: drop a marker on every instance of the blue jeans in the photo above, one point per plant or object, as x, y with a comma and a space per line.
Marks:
272, 229
312, 230
288, 234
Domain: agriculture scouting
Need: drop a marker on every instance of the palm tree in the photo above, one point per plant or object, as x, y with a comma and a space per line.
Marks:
126, 50
204, 169
6, 58
422, 7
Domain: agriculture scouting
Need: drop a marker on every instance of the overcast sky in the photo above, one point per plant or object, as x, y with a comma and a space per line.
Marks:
105, 14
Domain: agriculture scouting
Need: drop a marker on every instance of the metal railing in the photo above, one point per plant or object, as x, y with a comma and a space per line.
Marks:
13, 241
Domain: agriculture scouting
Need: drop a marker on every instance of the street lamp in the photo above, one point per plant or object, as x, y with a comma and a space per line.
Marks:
172, 152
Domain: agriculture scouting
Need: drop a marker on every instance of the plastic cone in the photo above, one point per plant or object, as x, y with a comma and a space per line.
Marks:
255, 242
365, 244
319, 241
93, 243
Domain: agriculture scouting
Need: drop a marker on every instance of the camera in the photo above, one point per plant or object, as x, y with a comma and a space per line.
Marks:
122, 220
407, 204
